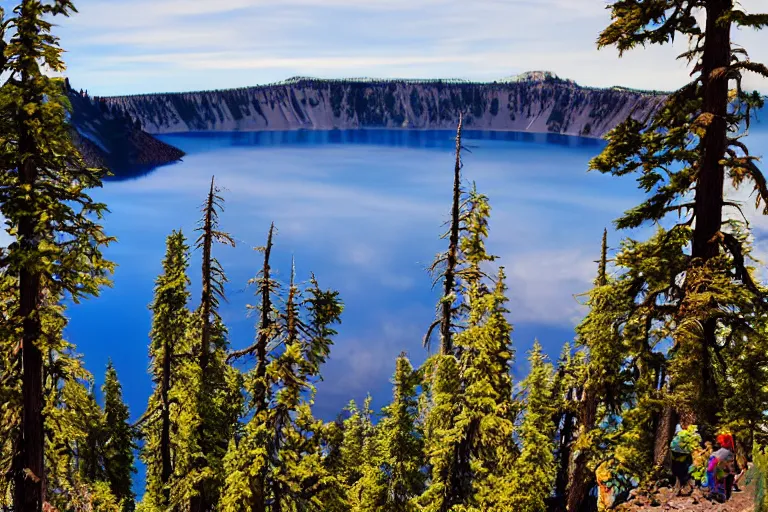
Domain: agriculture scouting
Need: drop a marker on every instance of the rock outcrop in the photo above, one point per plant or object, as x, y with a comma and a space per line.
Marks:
107, 137
533, 102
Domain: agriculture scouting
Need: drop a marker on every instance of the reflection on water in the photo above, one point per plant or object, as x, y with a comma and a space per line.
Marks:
375, 137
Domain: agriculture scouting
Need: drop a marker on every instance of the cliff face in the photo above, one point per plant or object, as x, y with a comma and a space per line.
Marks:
107, 137
533, 103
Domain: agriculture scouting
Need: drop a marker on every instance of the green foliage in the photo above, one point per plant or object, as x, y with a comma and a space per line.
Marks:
170, 418
469, 428
687, 440
119, 442
681, 159
760, 475
534, 472
54, 253
278, 457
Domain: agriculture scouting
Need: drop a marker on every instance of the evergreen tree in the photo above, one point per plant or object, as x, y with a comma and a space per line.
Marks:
56, 248
358, 441
119, 442
401, 445
256, 382
534, 471
567, 389
277, 462
747, 401
599, 334
470, 424
168, 343
447, 309
218, 398
75, 471
683, 155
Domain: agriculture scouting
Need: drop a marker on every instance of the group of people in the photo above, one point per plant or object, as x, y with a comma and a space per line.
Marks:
723, 470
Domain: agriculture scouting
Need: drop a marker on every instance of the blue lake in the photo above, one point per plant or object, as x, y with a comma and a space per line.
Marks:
364, 211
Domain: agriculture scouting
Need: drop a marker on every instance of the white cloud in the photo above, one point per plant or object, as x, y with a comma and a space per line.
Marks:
198, 44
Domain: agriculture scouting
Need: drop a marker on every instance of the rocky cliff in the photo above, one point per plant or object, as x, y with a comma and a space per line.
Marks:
534, 102
108, 137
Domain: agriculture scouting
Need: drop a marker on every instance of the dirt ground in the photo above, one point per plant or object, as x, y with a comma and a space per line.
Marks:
696, 502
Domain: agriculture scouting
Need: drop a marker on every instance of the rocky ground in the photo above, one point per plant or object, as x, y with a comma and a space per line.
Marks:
664, 500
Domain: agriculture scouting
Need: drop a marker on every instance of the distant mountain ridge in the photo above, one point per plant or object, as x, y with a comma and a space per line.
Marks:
537, 101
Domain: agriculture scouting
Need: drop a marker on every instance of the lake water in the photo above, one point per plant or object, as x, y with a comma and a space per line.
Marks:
363, 210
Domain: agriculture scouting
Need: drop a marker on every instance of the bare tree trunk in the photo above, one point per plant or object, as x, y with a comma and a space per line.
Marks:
29, 471
709, 189
266, 322
446, 335
665, 431
566, 439
165, 435
205, 301
582, 480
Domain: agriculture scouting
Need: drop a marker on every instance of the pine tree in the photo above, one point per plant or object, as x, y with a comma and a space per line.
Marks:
257, 383
119, 442
169, 340
447, 309
598, 333
745, 408
567, 389
534, 471
75, 470
687, 150
43, 183
217, 404
277, 462
470, 424
401, 476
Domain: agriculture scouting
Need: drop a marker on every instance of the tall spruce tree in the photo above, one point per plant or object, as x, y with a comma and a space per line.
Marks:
56, 248
119, 442
568, 388
276, 464
257, 384
217, 402
683, 155
604, 383
470, 424
401, 443
168, 341
75, 431
534, 471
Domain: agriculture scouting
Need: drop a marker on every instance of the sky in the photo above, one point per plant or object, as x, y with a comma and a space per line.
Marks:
135, 46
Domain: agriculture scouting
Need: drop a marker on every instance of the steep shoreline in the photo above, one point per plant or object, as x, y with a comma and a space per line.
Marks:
544, 105
119, 131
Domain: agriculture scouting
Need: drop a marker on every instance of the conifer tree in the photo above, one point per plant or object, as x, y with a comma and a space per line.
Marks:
277, 462
75, 470
567, 389
257, 383
170, 322
119, 442
470, 424
217, 403
690, 146
359, 438
598, 333
401, 444
747, 400
447, 309
534, 471
56, 248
